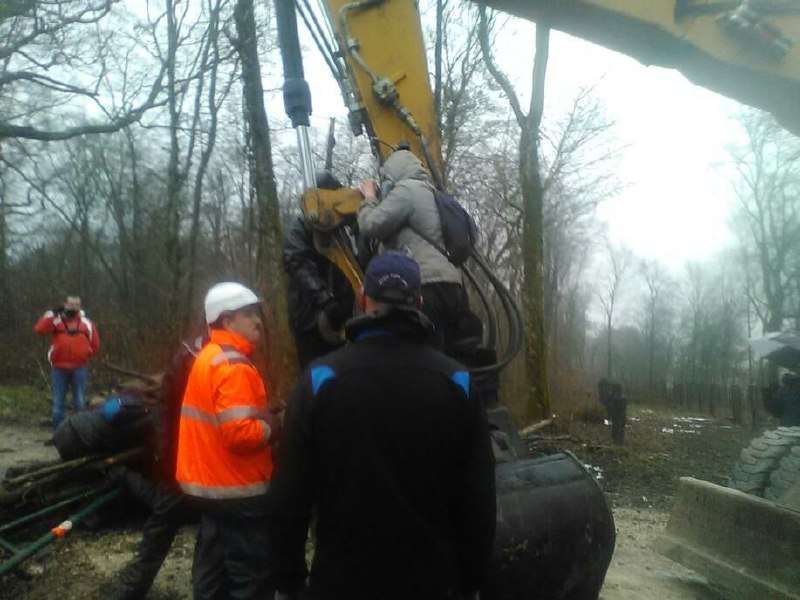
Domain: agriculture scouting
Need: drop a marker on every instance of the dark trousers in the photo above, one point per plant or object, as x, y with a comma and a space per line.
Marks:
159, 531
447, 306
232, 557
168, 513
460, 334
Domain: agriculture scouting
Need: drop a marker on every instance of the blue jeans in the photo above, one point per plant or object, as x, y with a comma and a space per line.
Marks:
60, 379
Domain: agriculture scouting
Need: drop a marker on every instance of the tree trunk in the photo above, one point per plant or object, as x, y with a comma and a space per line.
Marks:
270, 276
437, 65
533, 238
538, 405
212, 50
172, 250
5, 289
609, 323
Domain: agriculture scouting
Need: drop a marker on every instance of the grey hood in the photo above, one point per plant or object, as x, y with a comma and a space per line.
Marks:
403, 165
407, 210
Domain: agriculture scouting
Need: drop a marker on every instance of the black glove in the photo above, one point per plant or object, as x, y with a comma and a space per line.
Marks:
275, 426
332, 336
115, 477
337, 313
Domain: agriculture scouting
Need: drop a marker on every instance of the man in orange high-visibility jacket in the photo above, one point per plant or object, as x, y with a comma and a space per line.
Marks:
224, 458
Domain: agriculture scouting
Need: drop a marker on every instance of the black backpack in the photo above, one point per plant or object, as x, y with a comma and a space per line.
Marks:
459, 231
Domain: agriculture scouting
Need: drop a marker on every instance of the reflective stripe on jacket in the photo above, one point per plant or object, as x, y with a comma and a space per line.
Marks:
223, 449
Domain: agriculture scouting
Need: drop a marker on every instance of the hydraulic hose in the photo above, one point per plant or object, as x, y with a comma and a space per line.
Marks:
491, 313
512, 314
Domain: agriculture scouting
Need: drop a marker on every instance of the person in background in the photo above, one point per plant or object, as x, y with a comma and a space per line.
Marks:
787, 401
157, 487
74, 340
320, 296
224, 459
388, 448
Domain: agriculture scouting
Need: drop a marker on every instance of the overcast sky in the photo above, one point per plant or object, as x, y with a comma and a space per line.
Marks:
677, 198
676, 204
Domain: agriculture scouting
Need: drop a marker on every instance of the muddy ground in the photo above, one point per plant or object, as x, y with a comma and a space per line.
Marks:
639, 478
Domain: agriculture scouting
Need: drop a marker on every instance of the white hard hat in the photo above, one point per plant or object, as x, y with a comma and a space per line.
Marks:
227, 296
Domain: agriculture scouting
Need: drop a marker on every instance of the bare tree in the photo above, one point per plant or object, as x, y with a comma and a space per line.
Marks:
15, 203
578, 154
768, 190
270, 276
620, 260
460, 98
657, 312
211, 58
532, 188
53, 54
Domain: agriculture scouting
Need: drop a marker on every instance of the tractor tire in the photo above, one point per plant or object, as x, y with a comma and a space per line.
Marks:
785, 478
757, 462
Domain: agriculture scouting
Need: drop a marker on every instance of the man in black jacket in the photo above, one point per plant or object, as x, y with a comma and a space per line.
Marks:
387, 445
159, 491
320, 296
787, 401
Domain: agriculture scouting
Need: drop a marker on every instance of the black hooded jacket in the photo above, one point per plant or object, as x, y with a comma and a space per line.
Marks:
389, 447
313, 279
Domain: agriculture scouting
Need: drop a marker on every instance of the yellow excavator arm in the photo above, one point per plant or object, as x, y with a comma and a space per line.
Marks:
746, 50
384, 51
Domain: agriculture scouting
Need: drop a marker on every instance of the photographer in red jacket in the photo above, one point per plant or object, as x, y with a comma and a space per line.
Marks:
74, 340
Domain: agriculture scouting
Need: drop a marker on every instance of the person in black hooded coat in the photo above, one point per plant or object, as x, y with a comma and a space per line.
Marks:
320, 296
388, 446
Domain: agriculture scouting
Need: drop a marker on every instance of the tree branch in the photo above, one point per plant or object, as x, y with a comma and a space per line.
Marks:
7, 130
500, 77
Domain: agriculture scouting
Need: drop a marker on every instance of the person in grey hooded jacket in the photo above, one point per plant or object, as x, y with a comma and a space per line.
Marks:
407, 210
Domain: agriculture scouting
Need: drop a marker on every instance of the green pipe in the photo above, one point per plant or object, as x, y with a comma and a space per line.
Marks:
56, 532
8, 546
46, 510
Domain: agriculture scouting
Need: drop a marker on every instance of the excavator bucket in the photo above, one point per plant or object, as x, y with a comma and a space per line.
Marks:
555, 532
744, 545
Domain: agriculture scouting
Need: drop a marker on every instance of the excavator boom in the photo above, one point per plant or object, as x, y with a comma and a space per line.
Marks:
384, 51
746, 50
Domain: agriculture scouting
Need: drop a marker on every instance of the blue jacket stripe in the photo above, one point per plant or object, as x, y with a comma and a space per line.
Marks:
461, 379
320, 375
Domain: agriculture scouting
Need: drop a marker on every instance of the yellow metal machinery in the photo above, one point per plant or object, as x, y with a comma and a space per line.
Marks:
385, 54
327, 212
747, 50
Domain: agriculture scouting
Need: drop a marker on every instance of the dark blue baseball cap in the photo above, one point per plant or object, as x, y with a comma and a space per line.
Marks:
393, 278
